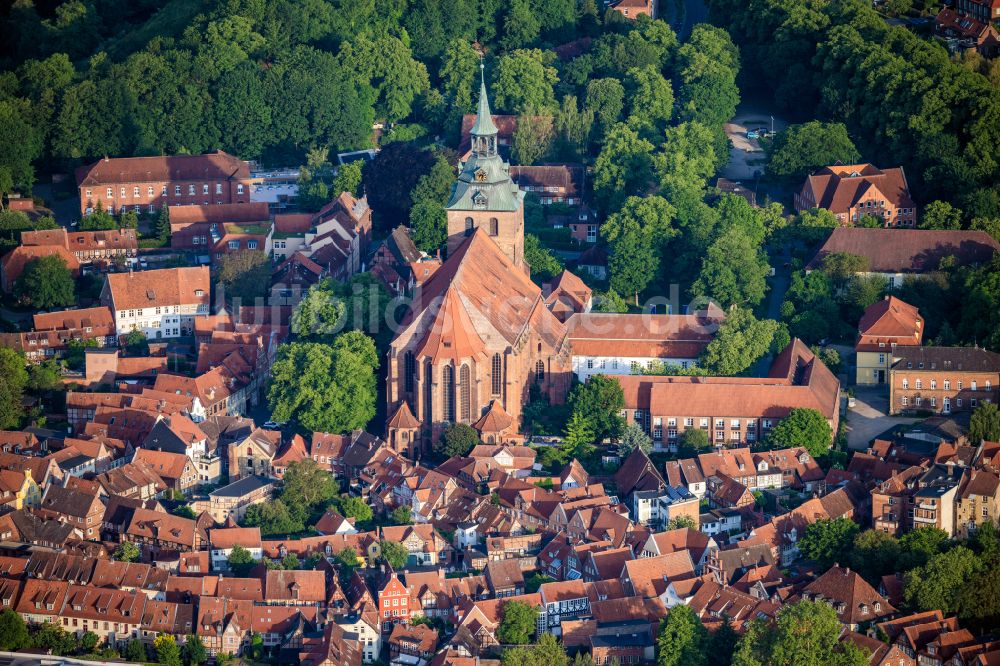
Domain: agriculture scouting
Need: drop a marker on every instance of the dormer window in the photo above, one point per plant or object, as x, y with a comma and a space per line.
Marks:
479, 200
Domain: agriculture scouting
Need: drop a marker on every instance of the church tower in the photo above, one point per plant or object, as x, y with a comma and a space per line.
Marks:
485, 196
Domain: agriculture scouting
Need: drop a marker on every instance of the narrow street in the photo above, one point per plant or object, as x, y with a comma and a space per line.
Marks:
779, 286
695, 12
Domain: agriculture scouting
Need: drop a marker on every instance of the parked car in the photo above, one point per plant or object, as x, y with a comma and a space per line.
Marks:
272, 425
753, 134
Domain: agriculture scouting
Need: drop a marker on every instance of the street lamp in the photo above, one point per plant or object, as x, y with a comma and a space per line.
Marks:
772, 124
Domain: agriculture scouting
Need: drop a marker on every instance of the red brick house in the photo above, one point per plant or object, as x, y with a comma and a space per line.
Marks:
943, 379
146, 184
393, 600
852, 190
631, 9
973, 24
87, 246
221, 229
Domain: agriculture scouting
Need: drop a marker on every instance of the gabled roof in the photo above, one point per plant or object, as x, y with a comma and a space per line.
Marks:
478, 300
232, 213
13, 262
947, 359
852, 597
229, 537
568, 292
309, 586
908, 250
69, 320
642, 335
637, 472
210, 166
162, 287
839, 188
649, 576
169, 466
797, 379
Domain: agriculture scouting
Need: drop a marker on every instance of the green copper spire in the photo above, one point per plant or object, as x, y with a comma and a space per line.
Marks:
484, 119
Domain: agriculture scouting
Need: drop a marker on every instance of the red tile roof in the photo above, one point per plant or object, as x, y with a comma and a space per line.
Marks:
229, 537
303, 586
641, 335
237, 213
167, 286
908, 250
889, 321
210, 166
14, 262
839, 188
852, 597
99, 319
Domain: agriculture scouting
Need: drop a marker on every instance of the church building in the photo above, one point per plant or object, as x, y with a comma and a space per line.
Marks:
478, 335
485, 197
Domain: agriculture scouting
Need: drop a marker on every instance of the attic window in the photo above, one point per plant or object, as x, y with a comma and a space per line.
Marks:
199, 292
150, 294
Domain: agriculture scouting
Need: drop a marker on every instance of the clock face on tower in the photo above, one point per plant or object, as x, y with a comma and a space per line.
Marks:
481, 176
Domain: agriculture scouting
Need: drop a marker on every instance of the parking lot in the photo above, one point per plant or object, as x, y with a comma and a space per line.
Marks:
746, 156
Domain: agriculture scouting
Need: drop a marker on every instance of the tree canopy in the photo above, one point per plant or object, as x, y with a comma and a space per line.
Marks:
599, 401
245, 274
457, 440
739, 342
803, 427
801, 149
46, 283
327, 387
682, 639
807, 633
827, 542
517, 623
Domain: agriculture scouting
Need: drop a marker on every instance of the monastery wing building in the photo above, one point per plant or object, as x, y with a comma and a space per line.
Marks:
478, 335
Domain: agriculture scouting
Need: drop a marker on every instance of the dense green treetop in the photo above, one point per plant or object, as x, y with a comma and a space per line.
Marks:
801, 149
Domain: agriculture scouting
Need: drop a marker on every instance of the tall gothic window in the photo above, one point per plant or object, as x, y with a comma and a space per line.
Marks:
465, 393
540, 372
448, 393
428, 393
409, 370
497, 374
469, 226
494, 227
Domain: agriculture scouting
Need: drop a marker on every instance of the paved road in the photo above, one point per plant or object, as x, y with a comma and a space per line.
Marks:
779, 286
868, 418
695, 12
64, 209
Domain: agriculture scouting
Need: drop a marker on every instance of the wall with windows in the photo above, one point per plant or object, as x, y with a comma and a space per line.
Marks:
150, 197
585, 366
941, 392
723, 431
165, 321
